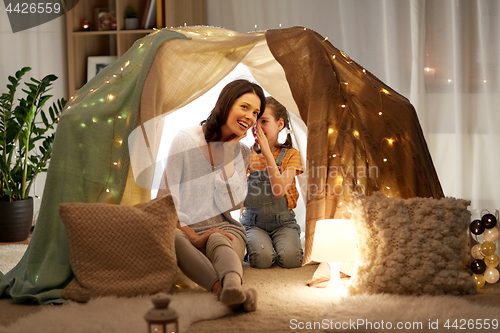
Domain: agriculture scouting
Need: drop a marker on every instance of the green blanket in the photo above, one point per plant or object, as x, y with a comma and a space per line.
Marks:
91, 136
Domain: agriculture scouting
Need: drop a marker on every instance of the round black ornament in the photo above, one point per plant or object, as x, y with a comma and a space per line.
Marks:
478, 266
489, 221
476, 227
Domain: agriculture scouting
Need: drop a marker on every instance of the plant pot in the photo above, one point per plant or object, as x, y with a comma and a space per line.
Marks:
16, 220
131, 23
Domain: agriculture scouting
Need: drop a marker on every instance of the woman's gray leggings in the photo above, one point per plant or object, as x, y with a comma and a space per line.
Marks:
210, 264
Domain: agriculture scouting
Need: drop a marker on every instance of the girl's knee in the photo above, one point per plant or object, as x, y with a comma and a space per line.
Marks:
261, 257
290, 259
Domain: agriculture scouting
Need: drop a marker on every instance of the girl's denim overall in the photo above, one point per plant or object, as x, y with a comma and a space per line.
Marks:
271, 227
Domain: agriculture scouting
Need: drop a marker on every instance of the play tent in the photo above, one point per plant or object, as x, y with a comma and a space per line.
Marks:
362, 136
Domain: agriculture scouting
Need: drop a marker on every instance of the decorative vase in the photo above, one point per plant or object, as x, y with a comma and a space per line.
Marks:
131, 23
16, 220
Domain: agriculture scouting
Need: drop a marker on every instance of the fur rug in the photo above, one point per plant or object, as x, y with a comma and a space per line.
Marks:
10, 256
384, 312
109, 314
285, 304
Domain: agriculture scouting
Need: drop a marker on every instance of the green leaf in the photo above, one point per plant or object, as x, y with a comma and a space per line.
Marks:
44, 119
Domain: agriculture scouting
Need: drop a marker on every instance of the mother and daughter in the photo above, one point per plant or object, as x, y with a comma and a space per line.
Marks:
206, 174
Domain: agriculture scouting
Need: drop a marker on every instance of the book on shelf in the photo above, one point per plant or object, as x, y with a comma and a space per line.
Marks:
150, 22
147, 3
159, 14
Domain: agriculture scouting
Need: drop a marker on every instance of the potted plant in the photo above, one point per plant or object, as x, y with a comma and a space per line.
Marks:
26, 137
131, 20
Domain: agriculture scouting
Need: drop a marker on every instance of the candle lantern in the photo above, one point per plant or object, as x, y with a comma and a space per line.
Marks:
161, 318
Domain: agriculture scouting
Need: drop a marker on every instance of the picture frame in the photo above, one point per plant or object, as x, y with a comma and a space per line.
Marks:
96, 64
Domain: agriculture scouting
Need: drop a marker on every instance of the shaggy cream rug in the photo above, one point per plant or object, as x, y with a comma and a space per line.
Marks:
108, 314
385, 313
10, 256
286, 304
111, 314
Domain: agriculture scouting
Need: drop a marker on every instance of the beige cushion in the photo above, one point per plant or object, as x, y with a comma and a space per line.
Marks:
412, 246
120, 250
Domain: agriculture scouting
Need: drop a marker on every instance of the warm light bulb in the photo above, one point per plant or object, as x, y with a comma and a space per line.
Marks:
119, 117
491, 275
390, 141
330, 131
333, 56
488, 248
111, 97
107, 190
385, 159
127, 63
120, 141
490, 261
479, 279
343, 105
387, 187
491, 234
476, 252
364, 70
115, 163
385, 91
380, 113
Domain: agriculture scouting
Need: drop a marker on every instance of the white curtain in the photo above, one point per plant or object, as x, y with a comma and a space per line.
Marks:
442, 55
43, 48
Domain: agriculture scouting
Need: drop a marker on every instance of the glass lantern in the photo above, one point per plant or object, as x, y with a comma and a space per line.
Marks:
161, 318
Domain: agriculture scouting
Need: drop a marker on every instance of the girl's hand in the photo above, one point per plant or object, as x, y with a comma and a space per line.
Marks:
201, 241
261, 139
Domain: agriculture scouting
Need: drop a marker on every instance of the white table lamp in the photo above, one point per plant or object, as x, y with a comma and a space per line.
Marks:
334, 242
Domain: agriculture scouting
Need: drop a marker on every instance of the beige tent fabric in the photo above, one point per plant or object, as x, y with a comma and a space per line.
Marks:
366, 136
182, 71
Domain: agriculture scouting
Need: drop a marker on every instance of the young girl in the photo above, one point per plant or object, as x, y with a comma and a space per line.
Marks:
272, 231
205, 173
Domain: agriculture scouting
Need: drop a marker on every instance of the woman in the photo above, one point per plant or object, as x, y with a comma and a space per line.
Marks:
206, 174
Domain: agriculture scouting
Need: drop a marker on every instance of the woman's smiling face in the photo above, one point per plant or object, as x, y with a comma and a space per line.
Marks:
242, 116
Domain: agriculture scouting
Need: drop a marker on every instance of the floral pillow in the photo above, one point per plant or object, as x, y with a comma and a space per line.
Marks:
118, 250
411, 246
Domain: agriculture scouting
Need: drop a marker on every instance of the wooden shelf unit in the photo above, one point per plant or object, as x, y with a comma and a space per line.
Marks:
84, 44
